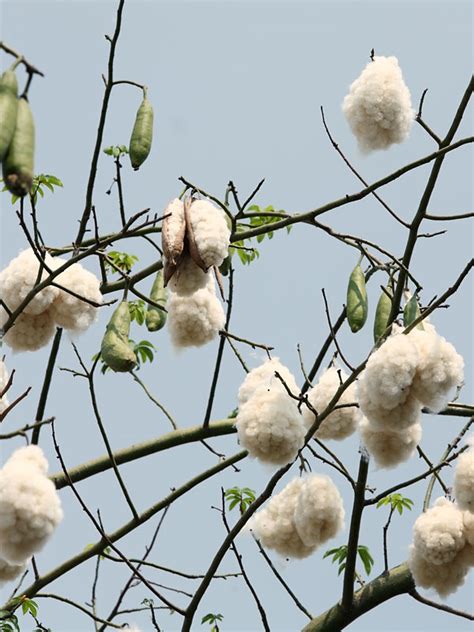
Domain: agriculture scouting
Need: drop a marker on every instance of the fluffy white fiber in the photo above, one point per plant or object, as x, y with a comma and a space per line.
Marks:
211, 232
270, 426
196, 319
3, 383
319, 511
438, 534
464, 480
402, 416
29, 332
389, 372
10, 571
390, 447
340, 423
69, 311
30, 508
20, 277
264, 376
444, 578
274, 525
188, 278
378, 106
440, 368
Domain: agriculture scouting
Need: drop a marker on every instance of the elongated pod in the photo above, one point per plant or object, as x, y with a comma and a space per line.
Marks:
156, 318
18, 164
115, 348
8, 110
142, 134
357, 306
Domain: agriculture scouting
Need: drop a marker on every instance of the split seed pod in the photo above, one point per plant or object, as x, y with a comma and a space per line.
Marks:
357, 306
190, 240
18, 164
172, 237
142, 133
115, 348
156, 318
8, 109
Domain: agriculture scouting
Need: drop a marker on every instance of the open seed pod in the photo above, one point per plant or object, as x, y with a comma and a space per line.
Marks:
173, 231
190, 240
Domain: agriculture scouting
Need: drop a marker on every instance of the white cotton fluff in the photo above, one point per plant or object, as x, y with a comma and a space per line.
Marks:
20, 277
319, 511
31, 456
188, 278
444, 578
389, 447
389, 372
274, 525
195, 320
402, 416
69, 311
340, 423
378, 106
270, 426
464, 480
10, 571
3, 382
211, 233
30, 508
264, 376
29, 332
440, 368
438, 534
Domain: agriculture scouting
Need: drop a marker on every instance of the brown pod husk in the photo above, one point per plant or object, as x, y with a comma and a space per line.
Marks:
168, 270
173, 232
190, 241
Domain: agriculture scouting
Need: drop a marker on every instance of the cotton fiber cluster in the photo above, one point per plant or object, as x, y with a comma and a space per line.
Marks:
389, 447
188, 278
196, 319
3, 383
464, 480
440, 368
341, 422
442, 551
30, 508
304, 515
269, 424
378, 106
52, 306
10, 571
210, 231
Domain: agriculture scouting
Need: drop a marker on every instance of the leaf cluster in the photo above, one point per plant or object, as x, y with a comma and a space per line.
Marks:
241, 497
339, 555
397, 502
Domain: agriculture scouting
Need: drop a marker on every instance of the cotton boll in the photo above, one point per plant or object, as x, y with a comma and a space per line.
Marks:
274, 525
319, 511
388, 447
340, 423
3, 382
30, 510
270, 426
444, 578
378, 106
20, 277
196, 319
464, 480
31, 455
438, 534
29, 332
71, 312
402, 416
389, 372
440, 368
264, 376
8, 571
188, 278
211, 233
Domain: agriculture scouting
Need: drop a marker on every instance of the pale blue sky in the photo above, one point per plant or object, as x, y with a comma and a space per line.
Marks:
237, 88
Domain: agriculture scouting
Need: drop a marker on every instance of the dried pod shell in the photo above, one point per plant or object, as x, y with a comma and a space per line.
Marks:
172, 234
190, 240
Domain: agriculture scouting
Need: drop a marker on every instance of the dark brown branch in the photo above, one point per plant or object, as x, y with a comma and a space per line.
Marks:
440, 606
46, 385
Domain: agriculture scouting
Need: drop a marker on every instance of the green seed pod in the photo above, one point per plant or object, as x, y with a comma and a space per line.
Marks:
411, 311
142, 134
156, 318
115, 348
382, 313
8, 110
357, 306
19, 162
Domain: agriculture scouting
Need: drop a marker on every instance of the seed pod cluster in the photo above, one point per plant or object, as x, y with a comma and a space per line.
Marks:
305, 514
17, 137
70, 303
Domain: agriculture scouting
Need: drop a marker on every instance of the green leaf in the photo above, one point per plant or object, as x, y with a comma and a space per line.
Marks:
366, 557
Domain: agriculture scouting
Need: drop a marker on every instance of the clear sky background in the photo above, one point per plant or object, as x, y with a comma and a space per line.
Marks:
236, 88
